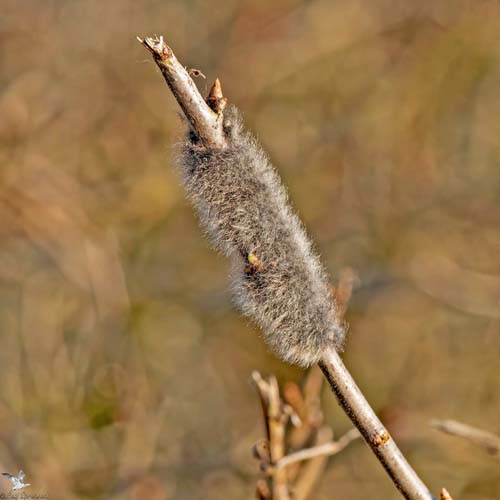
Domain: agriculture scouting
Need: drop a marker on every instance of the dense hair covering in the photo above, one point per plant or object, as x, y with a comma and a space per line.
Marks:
277, 279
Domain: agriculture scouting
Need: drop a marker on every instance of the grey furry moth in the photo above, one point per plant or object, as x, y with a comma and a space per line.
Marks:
277, 279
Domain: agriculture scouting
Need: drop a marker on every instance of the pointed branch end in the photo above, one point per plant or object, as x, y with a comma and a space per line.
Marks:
215, 98
445, 495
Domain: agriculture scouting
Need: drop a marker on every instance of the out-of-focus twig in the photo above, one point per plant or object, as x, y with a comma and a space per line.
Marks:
276, 423
307, 405
331, 448
276, 420
485, 439
348, 279
262, 491
306, 464
309, 472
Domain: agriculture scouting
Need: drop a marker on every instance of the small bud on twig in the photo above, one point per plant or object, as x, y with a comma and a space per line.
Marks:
215, 99
445, 495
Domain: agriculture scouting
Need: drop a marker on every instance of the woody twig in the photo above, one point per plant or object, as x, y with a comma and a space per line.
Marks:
487, 440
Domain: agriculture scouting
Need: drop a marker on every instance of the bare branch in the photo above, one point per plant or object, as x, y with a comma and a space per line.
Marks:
376, 435
262, 491
309, 472
272, 451
342, 292
487, 440
331, 448
307, 407
263, 390
206, 123
307, 403
277, 421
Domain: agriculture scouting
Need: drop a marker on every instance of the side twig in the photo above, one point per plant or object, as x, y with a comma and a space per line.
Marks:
275, 419
485, 439
306, 402
331, 448
305, 464
208, 125
310, 472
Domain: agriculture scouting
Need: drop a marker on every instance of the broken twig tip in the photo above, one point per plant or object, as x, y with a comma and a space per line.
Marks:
157, 46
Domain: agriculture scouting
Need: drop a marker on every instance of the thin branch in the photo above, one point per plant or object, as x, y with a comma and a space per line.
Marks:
327, 449
348, 279
376, 435
208, 126
307, 407
307, 404
309, 472
485, 439
263, 391
206, 122
275, 419
305, 475
262, 491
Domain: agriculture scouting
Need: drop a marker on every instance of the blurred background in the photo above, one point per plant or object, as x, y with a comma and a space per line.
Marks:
124, 369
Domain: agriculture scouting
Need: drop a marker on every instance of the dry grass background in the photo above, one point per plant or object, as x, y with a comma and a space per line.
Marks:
124, 369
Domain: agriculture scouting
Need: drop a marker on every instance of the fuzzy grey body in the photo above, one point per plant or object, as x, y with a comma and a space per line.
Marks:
278, 281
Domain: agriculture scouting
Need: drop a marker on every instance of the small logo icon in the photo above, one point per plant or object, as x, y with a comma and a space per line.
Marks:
17, 481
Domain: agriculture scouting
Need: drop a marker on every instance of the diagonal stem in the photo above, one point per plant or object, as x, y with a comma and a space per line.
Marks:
202, 118
375, 434
485, 439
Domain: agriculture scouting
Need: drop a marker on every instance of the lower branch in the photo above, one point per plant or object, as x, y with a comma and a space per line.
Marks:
326, 449
274, 449
485, 439
310, 472
375, 434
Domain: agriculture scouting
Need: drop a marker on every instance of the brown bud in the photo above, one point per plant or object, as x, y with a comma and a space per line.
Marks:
445, 495
215, 99
260, 450
380, 438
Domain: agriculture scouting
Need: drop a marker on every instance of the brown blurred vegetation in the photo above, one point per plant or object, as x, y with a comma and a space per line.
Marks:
124, 368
